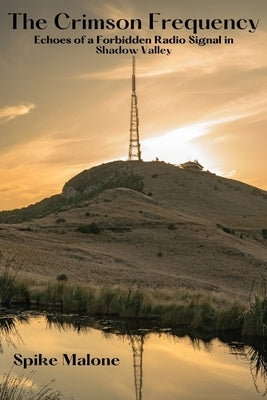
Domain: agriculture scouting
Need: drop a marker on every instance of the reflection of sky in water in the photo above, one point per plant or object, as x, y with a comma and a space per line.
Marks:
172, 367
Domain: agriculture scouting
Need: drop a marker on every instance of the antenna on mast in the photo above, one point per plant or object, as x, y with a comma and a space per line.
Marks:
134, 146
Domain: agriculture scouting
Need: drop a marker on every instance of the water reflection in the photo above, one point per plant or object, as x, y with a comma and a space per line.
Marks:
137, 342
8, 328
137, 334
255, 352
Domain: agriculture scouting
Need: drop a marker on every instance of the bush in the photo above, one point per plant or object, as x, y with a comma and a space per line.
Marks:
12, 291
127, 303
264, 233
62, 277
255, 318
171, 227
7, 287
228, 230
91, 228
59, 220
22, 294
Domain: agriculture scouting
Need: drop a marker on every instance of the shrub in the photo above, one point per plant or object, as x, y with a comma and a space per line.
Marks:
228, 230
22, 294
10, 289
171, 227
53, 294
59, 220
255, 317
128, 302
62, 277
80, 298
264, 233
7, 287
91, 228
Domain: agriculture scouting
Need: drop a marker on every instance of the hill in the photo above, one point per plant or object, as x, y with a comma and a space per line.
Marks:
149, 223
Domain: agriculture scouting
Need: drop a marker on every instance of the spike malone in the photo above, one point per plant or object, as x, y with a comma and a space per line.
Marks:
67, 360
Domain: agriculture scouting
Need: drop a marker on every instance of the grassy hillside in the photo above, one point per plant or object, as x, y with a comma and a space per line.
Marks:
198, 192
147, 223
38, 210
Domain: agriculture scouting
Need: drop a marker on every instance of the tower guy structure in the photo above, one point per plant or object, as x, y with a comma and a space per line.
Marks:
134, 146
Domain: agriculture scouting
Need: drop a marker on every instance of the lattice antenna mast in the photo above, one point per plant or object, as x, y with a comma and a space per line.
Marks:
134, 147
138, 348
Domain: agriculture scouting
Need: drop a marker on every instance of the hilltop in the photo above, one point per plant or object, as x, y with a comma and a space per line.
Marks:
149, 223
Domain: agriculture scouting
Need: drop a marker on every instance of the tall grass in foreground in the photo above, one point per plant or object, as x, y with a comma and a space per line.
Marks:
255, 317
19, 387
12, 290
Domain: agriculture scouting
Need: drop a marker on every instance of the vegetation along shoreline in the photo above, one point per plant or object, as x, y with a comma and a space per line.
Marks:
194, 310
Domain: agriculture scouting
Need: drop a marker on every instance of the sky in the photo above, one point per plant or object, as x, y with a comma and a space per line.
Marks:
64, 108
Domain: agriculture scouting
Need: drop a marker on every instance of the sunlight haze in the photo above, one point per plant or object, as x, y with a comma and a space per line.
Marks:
65, 108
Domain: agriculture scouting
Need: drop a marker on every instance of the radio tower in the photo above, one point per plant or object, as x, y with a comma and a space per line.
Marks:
134, 147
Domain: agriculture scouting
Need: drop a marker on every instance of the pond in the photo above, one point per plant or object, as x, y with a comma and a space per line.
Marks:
91, 358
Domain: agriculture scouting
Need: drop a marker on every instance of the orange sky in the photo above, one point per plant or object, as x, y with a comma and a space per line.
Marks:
64, 108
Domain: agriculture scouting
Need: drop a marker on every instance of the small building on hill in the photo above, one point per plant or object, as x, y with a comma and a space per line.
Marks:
192, 165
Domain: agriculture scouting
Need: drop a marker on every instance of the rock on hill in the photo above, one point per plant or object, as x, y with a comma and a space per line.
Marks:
148, 223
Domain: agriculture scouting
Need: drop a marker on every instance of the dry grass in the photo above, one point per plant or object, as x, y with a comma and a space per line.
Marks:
255, 316
19, 387
198, 310
194, 310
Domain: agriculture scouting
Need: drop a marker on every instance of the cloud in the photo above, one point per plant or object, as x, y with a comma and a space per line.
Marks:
10, 112
225, 173
245, 107
242, 107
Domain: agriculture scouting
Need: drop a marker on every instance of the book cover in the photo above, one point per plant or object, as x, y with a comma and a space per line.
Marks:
133, 218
